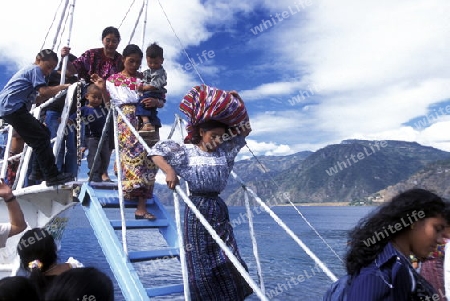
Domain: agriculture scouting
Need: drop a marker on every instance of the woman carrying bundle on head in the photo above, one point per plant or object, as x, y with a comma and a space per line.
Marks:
205, 164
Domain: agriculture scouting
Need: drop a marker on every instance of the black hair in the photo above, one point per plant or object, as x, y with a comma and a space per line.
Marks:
206, 126
47, 55
73, 284
154, 50
111, 30
401, 208
132, 49
38, 252
71, 58
17, 288
91, 89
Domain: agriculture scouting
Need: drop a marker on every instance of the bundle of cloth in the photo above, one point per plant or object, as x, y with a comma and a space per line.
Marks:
204, 103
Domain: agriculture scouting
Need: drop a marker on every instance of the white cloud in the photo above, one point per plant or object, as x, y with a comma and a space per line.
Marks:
269, 89
373, 66
377, 65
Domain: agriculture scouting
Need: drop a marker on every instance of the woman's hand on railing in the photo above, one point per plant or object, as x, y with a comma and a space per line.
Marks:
172, 179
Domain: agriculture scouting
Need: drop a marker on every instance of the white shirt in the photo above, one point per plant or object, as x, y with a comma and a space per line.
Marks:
5, 228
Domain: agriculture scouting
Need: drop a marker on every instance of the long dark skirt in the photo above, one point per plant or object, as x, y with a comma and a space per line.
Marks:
212, 276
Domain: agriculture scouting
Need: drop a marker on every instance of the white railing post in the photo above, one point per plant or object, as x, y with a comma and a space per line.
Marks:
176, 202
119, 180
222, 245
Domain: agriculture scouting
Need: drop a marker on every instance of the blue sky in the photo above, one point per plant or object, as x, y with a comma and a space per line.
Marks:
312, 73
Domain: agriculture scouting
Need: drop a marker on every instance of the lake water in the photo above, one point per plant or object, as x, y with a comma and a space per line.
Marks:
281, 258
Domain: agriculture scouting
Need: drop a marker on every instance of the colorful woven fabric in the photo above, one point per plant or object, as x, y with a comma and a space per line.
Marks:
203, 103
439, 252
138, 170
212, 276
94, 61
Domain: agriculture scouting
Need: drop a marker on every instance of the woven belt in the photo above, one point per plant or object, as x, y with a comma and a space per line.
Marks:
205, 194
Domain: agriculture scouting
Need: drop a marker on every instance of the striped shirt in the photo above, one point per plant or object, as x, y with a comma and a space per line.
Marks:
398, 281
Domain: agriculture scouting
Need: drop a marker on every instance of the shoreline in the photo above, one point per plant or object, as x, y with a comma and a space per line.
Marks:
331, 204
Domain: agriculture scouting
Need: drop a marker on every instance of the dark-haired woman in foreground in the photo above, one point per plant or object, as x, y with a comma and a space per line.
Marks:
38, 257
81, 284
380, 246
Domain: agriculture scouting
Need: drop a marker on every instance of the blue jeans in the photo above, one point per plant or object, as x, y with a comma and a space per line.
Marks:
66, 160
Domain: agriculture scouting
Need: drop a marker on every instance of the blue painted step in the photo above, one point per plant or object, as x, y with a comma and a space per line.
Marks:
140, 224
95, 199
165, 290
166, 253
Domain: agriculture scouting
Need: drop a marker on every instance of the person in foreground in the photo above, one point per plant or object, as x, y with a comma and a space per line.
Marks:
138, 170
15, 288
413, 222
38, 256
17, 221
206, 165
15, 103
85, 283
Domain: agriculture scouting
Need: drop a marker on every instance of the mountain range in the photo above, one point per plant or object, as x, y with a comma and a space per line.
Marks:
353, 171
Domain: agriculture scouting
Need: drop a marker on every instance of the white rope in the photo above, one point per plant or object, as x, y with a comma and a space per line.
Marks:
179, 122
184, 271
288, 231
181, 44
6, 154
222, 245
287, 197
58, 28
254, 243
62, 32
64, 117
144, 24
173, 128
132, 129
66, 58
136, 23
126, 14
53, 21
119, 178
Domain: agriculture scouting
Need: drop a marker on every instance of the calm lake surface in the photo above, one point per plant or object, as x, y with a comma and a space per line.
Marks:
282, 259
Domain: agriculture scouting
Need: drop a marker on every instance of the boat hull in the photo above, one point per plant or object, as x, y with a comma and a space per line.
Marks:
43, 207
